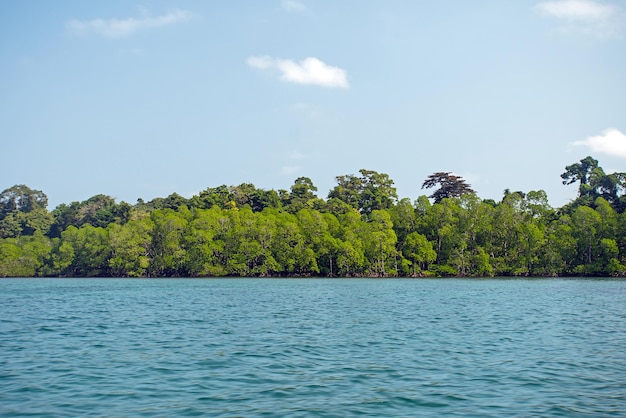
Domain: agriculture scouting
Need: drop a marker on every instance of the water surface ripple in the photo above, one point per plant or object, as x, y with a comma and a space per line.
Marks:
312, 347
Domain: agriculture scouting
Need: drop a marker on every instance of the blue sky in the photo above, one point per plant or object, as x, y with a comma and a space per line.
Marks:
138, 100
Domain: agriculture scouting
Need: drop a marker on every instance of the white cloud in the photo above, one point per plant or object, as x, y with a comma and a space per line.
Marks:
310, 71
293, 6
612, 142
576, 9
589, 17
120, 28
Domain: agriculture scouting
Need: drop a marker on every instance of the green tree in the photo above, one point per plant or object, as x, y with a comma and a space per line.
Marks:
317, 229
403, 218
377, 192
594, 183
608, 218
23, 212
173, 202
350, 257
36, 250
481, 264
349, 244
24, 256
536, 206
21, 198
302, 194
10, 225
507, 239
96, 211
608, 262
63, 216
212, 196
241, 194
90, 246
586, 223
559, 252
203, 247
580, 172
475, 225
371, 191
167, 250
379, 241
12, 260
531, 245
440, 225
290, 247
419, 250
37, 220
621, 238
130, 246
60, 258
347, 190
248, 243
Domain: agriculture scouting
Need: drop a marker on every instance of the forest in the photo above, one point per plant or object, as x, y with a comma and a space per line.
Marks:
362, 229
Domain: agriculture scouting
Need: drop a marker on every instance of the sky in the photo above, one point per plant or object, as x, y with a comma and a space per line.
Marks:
142, 100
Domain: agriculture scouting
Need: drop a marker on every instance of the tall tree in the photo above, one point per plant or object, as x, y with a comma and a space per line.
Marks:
23, 211
377, 192
302, 192
371, 191
449, 186
21, 198
580, 172
594, 183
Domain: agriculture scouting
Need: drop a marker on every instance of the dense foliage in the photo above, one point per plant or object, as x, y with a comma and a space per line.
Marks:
361, 229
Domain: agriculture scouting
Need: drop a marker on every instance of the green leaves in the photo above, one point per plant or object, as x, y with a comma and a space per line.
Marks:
594, 183
372, 191
419, 250
360, 230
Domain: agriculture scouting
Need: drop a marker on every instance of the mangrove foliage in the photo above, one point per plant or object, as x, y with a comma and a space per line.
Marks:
361, 229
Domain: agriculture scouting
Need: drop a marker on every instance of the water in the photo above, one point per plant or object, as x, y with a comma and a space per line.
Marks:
312, 347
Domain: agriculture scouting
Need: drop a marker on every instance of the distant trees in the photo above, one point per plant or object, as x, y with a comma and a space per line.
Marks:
362, 229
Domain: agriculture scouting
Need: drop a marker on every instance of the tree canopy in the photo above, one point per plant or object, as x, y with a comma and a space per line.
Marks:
371, 191
594, 183
449, 186
361, 229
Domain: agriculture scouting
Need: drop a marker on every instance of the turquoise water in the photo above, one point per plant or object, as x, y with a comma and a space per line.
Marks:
312, 347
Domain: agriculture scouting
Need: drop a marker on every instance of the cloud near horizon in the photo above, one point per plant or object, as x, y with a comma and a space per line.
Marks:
589, 17
121, 28
612, 142
310, 71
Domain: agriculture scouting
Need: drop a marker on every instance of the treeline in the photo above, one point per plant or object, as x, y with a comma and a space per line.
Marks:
361, 229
